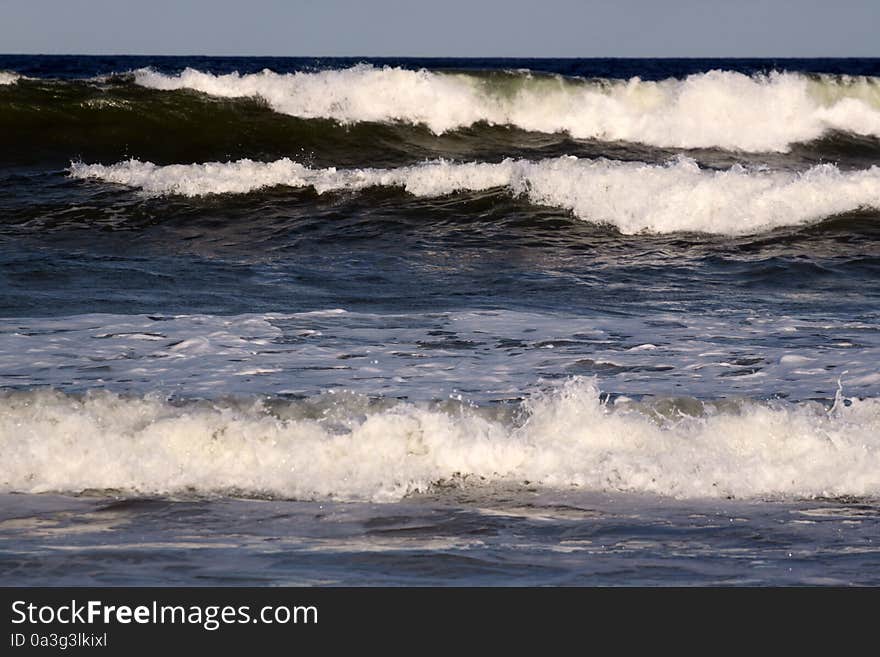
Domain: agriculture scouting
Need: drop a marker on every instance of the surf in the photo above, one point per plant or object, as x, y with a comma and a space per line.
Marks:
632, 197
716, 109
349, 447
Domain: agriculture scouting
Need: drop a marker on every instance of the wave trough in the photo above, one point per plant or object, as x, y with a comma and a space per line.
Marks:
722, 109
633, 197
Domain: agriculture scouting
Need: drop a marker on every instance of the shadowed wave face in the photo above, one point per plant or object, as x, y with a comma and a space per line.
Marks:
353, 114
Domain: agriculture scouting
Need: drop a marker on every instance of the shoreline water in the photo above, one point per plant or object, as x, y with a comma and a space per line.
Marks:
455, 539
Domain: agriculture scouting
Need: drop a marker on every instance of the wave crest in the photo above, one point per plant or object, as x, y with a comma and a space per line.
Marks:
9, 77
347, 447
722, 109
633, 197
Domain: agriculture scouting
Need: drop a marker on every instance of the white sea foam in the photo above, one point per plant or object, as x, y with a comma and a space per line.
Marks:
9, 77
631, 196
716, 109
352, 450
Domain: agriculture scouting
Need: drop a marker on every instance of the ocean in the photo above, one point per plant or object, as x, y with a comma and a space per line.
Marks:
287, 321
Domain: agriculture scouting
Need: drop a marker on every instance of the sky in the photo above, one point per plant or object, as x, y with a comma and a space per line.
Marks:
457, 28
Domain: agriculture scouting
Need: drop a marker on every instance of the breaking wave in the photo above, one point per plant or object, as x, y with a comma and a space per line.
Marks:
722, 109
633, 197
349, 447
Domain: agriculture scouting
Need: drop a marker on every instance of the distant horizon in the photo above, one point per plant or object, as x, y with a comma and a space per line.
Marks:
465, 57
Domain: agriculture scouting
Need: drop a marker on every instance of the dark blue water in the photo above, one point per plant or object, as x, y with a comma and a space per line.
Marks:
85, 66
486, 321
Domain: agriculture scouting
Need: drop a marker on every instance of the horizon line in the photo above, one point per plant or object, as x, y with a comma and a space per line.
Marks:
363, 56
